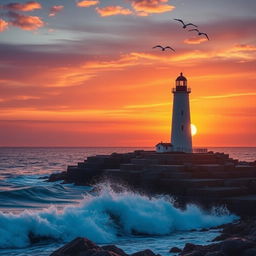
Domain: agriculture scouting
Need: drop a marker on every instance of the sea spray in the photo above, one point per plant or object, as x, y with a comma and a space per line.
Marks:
104, 216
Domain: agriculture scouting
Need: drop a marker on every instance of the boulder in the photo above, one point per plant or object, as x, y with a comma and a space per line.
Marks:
236, 246
114, 249
76, 247
93, 252
146, 252
175, 250
189, 247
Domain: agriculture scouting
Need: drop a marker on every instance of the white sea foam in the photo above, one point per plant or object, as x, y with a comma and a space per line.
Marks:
105, 216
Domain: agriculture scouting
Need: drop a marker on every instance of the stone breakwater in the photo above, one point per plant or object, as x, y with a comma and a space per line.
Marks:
237, 239
209, 179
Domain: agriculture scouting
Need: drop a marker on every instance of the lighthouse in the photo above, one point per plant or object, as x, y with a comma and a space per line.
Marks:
181, 138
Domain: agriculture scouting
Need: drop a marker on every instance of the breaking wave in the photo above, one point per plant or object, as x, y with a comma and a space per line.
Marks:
104, 217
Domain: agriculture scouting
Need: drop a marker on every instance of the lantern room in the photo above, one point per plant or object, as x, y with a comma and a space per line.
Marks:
181, 80
181, 84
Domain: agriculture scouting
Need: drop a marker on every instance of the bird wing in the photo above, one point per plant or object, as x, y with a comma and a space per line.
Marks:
158, 46
205, 35
180, 21
191, 24
194, 29
169, 47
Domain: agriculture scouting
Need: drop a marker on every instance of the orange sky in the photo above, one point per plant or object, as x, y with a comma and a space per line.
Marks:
98, 82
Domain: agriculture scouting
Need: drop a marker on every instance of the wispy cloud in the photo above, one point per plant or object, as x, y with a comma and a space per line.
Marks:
3, 25
153, 105
55, 9
87, 3
195, 40
231, 95
244, 47
113, 10
26, 7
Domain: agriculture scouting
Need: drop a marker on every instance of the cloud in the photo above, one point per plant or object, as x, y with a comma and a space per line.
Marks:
231, 95
113, 10
87, 3
25, 22
244, 47
195, 40
145, 7
26, 7
55, 9
241, 52
152, 105
3, 25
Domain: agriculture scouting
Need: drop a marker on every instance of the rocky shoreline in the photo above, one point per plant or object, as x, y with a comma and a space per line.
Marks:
237, 239
207, 179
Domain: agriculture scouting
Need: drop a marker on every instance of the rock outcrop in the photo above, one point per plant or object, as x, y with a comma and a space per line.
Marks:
239, 240
205, 178
84, 247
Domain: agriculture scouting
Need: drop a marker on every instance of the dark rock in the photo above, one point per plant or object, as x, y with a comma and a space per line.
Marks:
96, 252
189, 247
236, 246
194, 253
84, 247
76, 247
57, 176
91, 252
250, 252
215, 254
114, 249
175, 249
144, 253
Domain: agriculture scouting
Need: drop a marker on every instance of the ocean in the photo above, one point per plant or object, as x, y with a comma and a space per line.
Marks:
37, 217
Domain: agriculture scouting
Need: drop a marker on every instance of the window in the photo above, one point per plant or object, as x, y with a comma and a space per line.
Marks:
182, 127
182, 112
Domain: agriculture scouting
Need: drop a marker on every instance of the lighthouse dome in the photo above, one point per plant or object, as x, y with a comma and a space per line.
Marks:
181, 77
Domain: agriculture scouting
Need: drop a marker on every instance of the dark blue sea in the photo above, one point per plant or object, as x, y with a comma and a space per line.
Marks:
51, 214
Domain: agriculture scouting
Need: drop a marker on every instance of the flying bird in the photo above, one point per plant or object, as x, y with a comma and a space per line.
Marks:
185, 25
199, 33
163, 48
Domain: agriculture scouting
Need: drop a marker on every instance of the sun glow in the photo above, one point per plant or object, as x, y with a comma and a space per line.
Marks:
193, 130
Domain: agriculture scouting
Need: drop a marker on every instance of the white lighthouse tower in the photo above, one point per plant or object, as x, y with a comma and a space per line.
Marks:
181, 138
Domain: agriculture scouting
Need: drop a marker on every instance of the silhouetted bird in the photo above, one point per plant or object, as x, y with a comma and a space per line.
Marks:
185, 25
163, 48
200, 33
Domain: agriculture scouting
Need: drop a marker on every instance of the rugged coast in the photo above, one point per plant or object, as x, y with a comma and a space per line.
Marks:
208, 179
237, 239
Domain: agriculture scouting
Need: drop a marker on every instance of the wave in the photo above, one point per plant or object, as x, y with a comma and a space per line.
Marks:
42, 194
104, 217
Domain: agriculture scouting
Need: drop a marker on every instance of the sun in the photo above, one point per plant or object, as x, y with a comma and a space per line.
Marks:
193, 130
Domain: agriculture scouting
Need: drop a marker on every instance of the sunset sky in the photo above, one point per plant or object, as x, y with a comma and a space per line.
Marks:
83, 73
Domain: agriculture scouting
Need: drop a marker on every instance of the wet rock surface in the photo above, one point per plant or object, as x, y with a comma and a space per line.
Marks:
237, 239
84, 247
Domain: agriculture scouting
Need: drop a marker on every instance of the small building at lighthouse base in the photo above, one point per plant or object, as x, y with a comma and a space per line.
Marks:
163, 147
